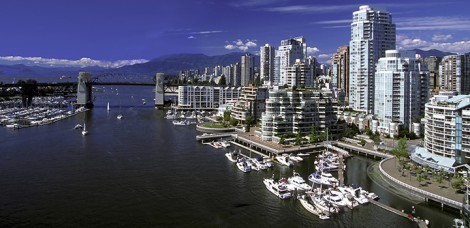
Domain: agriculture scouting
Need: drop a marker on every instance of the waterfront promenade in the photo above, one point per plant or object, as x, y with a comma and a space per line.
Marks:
443, 190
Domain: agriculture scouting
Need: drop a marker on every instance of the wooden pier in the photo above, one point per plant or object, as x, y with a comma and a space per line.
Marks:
420, 223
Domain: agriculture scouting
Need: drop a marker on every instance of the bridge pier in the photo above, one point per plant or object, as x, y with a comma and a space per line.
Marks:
159, 91
84, 90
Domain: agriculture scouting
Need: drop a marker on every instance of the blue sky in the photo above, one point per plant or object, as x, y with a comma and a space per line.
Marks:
139, 30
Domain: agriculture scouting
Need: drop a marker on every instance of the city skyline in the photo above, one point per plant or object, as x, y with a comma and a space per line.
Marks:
97, 33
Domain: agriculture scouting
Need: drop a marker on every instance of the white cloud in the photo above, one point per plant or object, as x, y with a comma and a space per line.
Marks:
230, 46
324, 56
83, 62
433, 23
312, 50
251, 3
406, 43
441, 37
312, 8
206, 32
191, 37
343, 21
244, 46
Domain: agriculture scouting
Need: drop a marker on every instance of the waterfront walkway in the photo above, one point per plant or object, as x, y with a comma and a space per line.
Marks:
444, 189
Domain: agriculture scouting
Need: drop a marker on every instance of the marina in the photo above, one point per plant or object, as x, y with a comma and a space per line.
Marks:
110, 166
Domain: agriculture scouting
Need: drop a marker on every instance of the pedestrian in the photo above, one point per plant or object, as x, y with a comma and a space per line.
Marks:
413, 211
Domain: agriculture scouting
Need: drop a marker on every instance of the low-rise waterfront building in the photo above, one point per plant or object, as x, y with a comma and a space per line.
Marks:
206, 97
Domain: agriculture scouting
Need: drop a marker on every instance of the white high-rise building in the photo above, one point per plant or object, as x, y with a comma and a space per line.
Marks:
267, 55
288, 52
397, 90
372, 32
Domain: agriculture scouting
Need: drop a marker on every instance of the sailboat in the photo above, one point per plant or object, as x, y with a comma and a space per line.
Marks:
119, 116
84, 131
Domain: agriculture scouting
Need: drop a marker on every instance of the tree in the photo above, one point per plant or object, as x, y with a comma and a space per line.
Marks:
457, 183
233, 122
400, 150
248, 123
298, 139
222, 81
227, 116
282, 139
313, 135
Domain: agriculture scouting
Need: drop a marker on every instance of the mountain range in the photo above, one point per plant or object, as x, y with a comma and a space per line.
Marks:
169, 64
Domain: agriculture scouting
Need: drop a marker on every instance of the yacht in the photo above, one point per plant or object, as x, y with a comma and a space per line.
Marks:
334, 197
296, 182
284, 159
311, 208
318, 179
253, 166
356, 194
277, 188
369, 195
243, 166
325, 207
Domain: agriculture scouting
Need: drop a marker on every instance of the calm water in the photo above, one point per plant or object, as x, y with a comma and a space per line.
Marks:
142, 171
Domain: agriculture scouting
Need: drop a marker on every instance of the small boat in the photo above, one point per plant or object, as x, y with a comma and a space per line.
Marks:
119, 116
284, 159
243, 166
84, 131
295, 158
303, 155
107, 108
277, 188
318, 179
179, 123
311, 208
356, 194
232, 156
296, 182
78, 126
369, 195
225, 144
459, 223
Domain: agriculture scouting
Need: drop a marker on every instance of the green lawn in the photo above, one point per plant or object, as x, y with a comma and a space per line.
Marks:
214, 125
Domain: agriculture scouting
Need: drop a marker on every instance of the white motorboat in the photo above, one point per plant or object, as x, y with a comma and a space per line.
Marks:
318, 179
355, 193
334, 197
259, 164
119, 116
296, 182
78, 126
84, 131
321, 204
284, 159
243, 166
295, 158
311, 208
303, 155
253, 166
329, 177
232, 156
277, 188
179, 122
225, 144
369, 195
